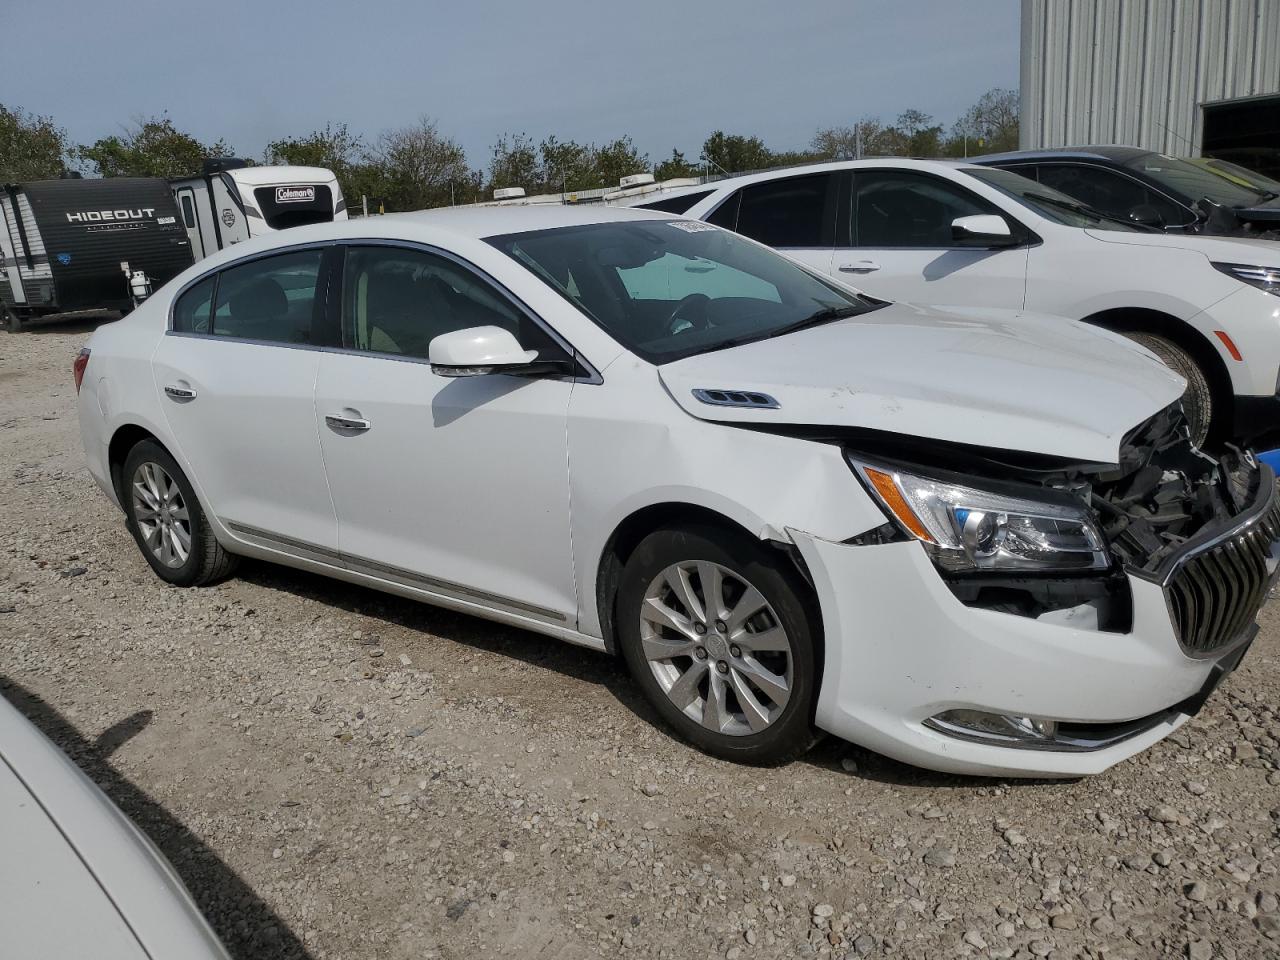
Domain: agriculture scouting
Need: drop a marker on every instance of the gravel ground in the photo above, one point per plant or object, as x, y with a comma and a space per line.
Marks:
339, 773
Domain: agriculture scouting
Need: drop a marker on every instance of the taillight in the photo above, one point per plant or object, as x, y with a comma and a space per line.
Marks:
79, 365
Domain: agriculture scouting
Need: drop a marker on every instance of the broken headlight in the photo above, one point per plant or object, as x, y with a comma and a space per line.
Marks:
968, 528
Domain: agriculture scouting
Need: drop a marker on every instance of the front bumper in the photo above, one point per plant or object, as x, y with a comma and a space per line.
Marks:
901, 648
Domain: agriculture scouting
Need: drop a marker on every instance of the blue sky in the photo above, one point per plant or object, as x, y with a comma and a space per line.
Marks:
667, 73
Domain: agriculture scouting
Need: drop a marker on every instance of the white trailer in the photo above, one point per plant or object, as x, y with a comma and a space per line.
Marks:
232, 201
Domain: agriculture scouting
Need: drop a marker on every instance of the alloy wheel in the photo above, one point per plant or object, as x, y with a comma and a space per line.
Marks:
716, 647
161, 514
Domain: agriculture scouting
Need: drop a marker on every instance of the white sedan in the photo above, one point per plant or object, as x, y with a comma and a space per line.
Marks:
970, 542
953, 234
77, 879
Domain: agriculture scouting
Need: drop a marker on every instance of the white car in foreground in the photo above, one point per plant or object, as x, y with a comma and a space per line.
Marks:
954, 234
974, 543
77, 879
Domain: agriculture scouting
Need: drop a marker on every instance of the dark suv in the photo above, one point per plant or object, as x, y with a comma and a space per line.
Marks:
1149, 188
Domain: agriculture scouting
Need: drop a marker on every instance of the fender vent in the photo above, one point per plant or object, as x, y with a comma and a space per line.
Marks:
736, 398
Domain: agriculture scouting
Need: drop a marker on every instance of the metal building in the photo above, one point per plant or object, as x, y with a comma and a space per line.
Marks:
1184, 77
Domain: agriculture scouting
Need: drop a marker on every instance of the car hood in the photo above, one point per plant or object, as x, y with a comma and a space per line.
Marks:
990, 378
1223, 249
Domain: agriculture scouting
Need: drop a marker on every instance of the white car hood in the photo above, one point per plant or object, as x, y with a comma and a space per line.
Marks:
991, 378
1250, 250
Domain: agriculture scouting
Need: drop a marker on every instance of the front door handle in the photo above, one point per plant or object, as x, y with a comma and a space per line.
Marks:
860, 266
341, 422
179, 392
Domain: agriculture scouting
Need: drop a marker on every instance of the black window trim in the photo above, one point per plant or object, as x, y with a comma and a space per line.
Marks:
1127, 174
331, 269
1024, 235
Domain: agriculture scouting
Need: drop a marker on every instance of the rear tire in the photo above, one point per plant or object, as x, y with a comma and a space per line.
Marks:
719, 633
167, 521
1197, 400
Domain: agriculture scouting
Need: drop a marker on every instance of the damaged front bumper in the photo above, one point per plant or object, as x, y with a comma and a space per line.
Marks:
926, 678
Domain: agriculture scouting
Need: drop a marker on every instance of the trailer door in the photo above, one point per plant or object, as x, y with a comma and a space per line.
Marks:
187, 208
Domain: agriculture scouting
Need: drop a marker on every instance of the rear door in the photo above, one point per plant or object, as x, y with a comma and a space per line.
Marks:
795, 215
896, 243
187, 210
236, 375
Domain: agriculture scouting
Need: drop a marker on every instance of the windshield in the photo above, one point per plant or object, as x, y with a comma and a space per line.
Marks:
1048, 202
667, 289
1193, 181
1242, 175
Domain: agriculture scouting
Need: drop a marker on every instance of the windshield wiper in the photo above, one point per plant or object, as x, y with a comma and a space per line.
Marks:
1087, 211
815, 319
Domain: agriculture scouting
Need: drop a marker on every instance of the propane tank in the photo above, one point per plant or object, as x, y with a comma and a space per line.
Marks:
139, 286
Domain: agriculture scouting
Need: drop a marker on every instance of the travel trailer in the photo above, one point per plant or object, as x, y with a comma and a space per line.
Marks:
232, 201
82, 248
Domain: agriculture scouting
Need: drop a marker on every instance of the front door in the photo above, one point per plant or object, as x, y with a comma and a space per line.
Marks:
456, 486
794, 215
236, 377
898, 244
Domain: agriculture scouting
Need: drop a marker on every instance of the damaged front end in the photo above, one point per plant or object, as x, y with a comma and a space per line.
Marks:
1205, 529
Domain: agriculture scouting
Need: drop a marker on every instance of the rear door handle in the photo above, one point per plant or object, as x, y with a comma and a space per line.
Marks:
340, 422
179, 392
860, 266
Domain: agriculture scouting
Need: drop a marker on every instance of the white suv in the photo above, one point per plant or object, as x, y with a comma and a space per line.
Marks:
972, 544
954, 234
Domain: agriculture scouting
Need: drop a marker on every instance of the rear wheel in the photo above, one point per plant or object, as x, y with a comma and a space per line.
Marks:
716, 631
1197, 400
167, 521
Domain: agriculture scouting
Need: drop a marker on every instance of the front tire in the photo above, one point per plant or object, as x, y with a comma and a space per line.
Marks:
1197, 400
720, 634
167, 521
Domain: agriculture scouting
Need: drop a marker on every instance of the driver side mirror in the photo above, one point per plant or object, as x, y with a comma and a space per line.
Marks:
1147, 215
982, 230
477, 351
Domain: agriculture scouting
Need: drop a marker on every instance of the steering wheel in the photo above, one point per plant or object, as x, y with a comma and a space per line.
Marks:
700, 322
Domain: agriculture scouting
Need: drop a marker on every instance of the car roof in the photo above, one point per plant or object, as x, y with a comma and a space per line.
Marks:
483, 222
824, 166
1115, 152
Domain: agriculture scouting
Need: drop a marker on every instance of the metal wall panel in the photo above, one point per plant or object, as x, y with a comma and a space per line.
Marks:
1138, 71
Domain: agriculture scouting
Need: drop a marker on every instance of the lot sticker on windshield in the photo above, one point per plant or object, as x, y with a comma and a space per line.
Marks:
693, 226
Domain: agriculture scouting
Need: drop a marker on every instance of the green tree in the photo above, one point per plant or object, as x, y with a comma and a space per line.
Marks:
334, 147
675, 166
732, 153
151, 148
515, 163
420, 167
617, 159
31, 147
868, 137
565, 166
989, 126
915, 135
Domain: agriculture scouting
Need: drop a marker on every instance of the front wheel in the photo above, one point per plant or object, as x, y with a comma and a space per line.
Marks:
719, 633
1197, 399
167, 521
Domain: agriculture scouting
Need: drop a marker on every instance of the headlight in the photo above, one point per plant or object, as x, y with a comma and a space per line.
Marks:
1264, 278
966, 528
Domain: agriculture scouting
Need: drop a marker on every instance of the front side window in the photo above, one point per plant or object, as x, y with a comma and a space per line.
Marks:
790, 211
894, 208
395, 301
1109, 191
276, 299
667, 289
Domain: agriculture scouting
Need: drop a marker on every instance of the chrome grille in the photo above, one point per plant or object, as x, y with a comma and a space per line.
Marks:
1214, 594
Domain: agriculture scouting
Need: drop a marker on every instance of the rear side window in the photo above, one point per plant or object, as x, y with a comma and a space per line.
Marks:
192, 311
676, 204
790, 212
275, 299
